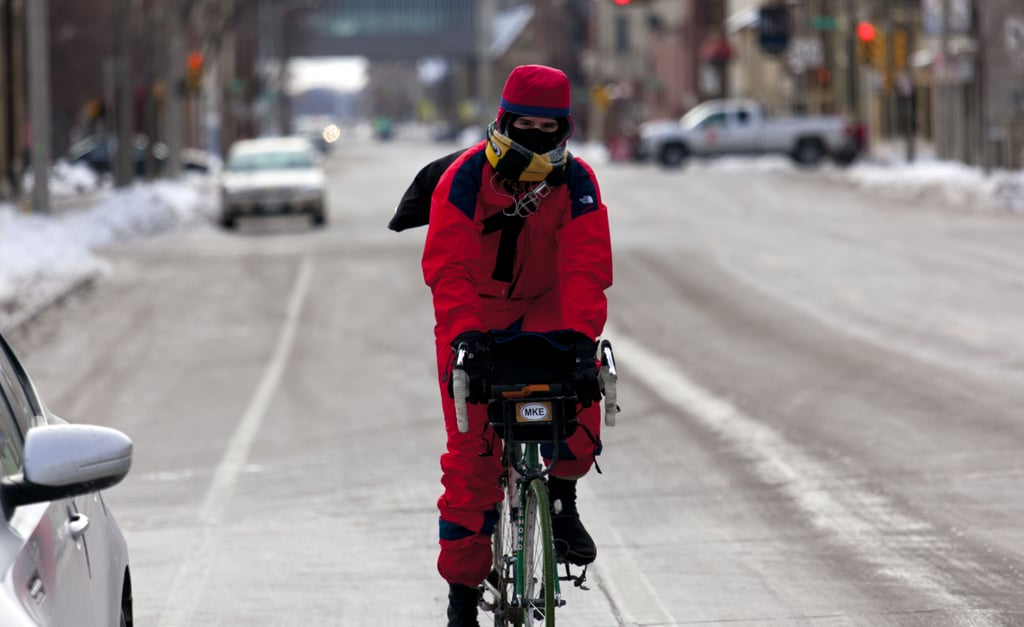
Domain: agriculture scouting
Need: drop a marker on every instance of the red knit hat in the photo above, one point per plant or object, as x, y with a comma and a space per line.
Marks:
536, 90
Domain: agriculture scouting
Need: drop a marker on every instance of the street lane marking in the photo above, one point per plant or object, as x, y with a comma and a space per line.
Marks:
867, 524
186, 592
231, 465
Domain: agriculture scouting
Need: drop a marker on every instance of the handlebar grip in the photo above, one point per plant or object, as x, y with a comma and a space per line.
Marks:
611, 400
460, 390
609, 378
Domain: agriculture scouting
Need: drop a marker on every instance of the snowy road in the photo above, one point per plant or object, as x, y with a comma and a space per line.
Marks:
820, 390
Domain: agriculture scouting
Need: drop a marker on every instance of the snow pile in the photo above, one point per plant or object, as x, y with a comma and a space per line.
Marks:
41, 259
68, 180
951, 183
44, 257
140, 210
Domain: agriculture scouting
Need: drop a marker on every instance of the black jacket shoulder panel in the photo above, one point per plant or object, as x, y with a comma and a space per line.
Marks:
414, 208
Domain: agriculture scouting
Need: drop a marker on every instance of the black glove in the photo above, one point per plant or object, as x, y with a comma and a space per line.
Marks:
586, 379
477, 363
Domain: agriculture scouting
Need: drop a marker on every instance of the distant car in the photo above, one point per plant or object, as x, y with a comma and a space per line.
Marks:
64, 559
273, 176
100, 155
740, 126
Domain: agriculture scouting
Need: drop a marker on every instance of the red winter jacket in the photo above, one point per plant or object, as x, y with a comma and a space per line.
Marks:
564, 245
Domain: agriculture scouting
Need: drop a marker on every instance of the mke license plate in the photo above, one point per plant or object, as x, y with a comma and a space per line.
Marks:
535, 411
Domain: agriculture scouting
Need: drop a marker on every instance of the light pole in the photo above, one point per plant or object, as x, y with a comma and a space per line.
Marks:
39, 103
124, 170
175, 82
284, 109
485, 15
5, 140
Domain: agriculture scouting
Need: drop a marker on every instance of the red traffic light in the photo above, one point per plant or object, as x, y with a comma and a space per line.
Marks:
866, 31
195, 61
622, 2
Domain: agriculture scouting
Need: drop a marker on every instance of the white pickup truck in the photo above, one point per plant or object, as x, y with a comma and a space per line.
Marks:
739, 126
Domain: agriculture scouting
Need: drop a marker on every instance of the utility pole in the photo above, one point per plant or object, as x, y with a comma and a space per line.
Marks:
18, 82
265, 54
175, 92
125, 171
212, 75
149, 60
889, 73
5, 140
485, 16
910, 99
39, 103
943, 118
851, 62
226, 61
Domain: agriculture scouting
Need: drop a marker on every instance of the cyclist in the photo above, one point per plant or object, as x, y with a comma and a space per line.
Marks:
518, 238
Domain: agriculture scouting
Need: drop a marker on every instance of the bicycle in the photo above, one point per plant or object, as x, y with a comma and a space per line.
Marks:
531, 403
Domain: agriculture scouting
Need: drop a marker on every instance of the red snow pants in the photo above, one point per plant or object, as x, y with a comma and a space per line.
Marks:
472, 463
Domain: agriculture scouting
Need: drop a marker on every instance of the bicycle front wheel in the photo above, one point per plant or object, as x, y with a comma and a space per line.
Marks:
538, 581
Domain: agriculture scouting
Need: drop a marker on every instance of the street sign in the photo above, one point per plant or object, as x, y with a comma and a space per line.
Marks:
823, 22
806, 53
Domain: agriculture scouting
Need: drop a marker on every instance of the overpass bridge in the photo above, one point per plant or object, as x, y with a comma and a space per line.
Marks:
387, 29
397, 33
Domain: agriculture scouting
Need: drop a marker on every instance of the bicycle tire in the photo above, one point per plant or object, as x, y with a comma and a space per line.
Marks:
538, 565
503, 545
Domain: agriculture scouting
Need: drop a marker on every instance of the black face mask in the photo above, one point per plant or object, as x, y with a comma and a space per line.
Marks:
534, 139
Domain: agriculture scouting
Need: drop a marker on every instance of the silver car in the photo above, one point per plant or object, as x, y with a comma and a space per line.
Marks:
65, 561
272, 175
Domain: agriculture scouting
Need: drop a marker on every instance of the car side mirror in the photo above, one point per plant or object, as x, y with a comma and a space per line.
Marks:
67, 460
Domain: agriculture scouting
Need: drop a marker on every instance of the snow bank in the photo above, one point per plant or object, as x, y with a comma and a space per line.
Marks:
954, 184
44, 257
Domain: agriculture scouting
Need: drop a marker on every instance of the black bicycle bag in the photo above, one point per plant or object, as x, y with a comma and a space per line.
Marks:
532, 398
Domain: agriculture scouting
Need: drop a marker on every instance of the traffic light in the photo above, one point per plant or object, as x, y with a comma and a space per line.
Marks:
194, 76
775, 27
872, 46
866, 36
866, 32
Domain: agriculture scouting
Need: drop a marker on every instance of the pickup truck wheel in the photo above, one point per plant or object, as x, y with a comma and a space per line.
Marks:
809, 151
673, 155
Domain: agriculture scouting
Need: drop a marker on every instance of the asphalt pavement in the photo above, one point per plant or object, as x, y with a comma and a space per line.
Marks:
820, 393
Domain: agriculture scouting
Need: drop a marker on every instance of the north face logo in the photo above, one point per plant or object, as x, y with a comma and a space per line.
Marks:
586, 200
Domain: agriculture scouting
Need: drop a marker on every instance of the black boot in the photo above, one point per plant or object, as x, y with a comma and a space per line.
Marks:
572, 542
462, 602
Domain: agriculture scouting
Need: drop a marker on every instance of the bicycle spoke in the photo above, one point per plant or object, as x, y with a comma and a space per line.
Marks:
539, 559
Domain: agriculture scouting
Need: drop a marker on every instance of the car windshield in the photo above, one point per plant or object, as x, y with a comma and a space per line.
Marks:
701, 116
694, 117
255, 161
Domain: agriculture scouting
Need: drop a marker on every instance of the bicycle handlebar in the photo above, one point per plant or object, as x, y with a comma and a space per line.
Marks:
609, 379
460, 388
